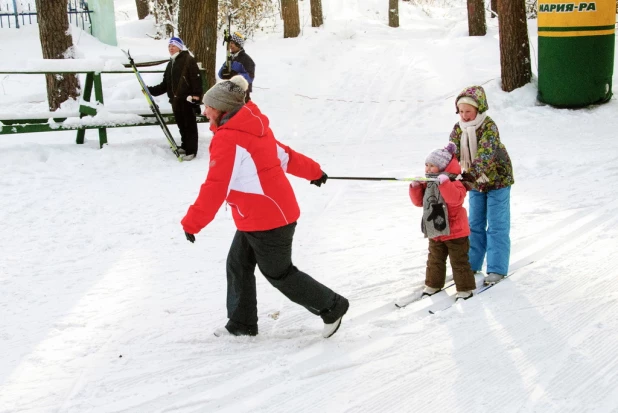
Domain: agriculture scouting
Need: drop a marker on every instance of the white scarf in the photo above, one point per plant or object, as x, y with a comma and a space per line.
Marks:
468, 140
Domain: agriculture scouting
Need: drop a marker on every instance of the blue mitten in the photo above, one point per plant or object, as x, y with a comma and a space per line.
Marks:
237, 67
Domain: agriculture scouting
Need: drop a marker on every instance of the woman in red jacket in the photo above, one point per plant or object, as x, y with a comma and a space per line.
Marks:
445, 223
247, 170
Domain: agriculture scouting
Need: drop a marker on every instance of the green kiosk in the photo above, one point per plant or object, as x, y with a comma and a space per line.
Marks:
576, 52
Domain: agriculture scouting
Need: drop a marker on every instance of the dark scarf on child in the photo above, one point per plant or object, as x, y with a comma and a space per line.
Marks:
435, 213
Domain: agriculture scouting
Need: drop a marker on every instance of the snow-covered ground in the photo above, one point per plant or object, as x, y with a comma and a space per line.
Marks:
105, 307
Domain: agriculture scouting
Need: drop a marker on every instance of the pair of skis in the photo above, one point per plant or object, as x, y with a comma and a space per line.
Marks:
450, 302
154, 108
227, 35
441, 300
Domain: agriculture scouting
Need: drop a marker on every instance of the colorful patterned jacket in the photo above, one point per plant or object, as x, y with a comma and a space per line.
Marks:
491, 159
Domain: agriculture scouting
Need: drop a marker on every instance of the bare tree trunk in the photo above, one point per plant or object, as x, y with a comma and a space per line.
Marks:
476, 18
494, 8
56, 43
514, 44
169, 27
142, 9
164, 12
197, 25
317, 18
393, 13
291, 19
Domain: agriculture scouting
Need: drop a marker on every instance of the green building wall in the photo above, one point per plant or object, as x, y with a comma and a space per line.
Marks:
103, 21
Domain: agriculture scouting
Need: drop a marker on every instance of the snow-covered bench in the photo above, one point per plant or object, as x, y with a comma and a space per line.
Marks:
91, 114
53, 121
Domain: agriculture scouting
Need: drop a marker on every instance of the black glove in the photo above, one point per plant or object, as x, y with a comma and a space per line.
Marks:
190, 237
228, 75
466, 177
195, 105
320, 181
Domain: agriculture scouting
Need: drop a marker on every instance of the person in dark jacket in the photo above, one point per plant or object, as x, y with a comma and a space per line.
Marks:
241, 63
183, 85
247, 169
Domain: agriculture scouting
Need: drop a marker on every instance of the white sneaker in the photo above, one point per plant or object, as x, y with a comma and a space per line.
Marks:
222, 332
493, 278
330, 329
340, 306
187, 158
429, 291
463, 295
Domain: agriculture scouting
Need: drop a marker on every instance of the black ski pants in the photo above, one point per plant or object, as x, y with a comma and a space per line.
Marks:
272, 251
187, 125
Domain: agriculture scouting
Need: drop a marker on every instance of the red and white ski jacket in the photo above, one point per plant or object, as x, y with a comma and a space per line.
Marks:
247, 169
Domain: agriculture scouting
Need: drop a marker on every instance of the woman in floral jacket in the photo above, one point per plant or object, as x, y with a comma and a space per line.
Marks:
488, 171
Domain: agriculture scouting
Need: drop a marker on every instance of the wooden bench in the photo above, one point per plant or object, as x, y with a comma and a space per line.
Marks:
86, 118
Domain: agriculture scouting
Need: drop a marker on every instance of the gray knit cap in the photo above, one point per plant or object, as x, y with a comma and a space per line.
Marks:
442, 157
227, 95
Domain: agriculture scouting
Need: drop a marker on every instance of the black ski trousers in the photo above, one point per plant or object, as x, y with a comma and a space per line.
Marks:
272, 251
187, 125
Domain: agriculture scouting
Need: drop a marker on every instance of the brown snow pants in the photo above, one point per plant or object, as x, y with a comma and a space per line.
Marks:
457, 251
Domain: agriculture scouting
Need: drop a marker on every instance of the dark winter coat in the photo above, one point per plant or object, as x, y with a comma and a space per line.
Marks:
181, 79
454, 194
242, 65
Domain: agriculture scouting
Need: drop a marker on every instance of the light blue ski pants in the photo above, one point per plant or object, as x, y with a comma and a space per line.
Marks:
490, 226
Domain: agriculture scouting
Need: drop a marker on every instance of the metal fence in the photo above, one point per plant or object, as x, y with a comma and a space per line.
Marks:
17, 13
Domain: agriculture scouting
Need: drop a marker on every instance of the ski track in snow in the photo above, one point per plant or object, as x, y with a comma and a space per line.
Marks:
329, 357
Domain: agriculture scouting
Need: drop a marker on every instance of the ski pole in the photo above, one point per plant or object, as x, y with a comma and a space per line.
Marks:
154, 107
369, 178
228, 56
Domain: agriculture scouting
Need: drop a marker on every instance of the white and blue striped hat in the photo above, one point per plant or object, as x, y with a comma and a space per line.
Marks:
177, 41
